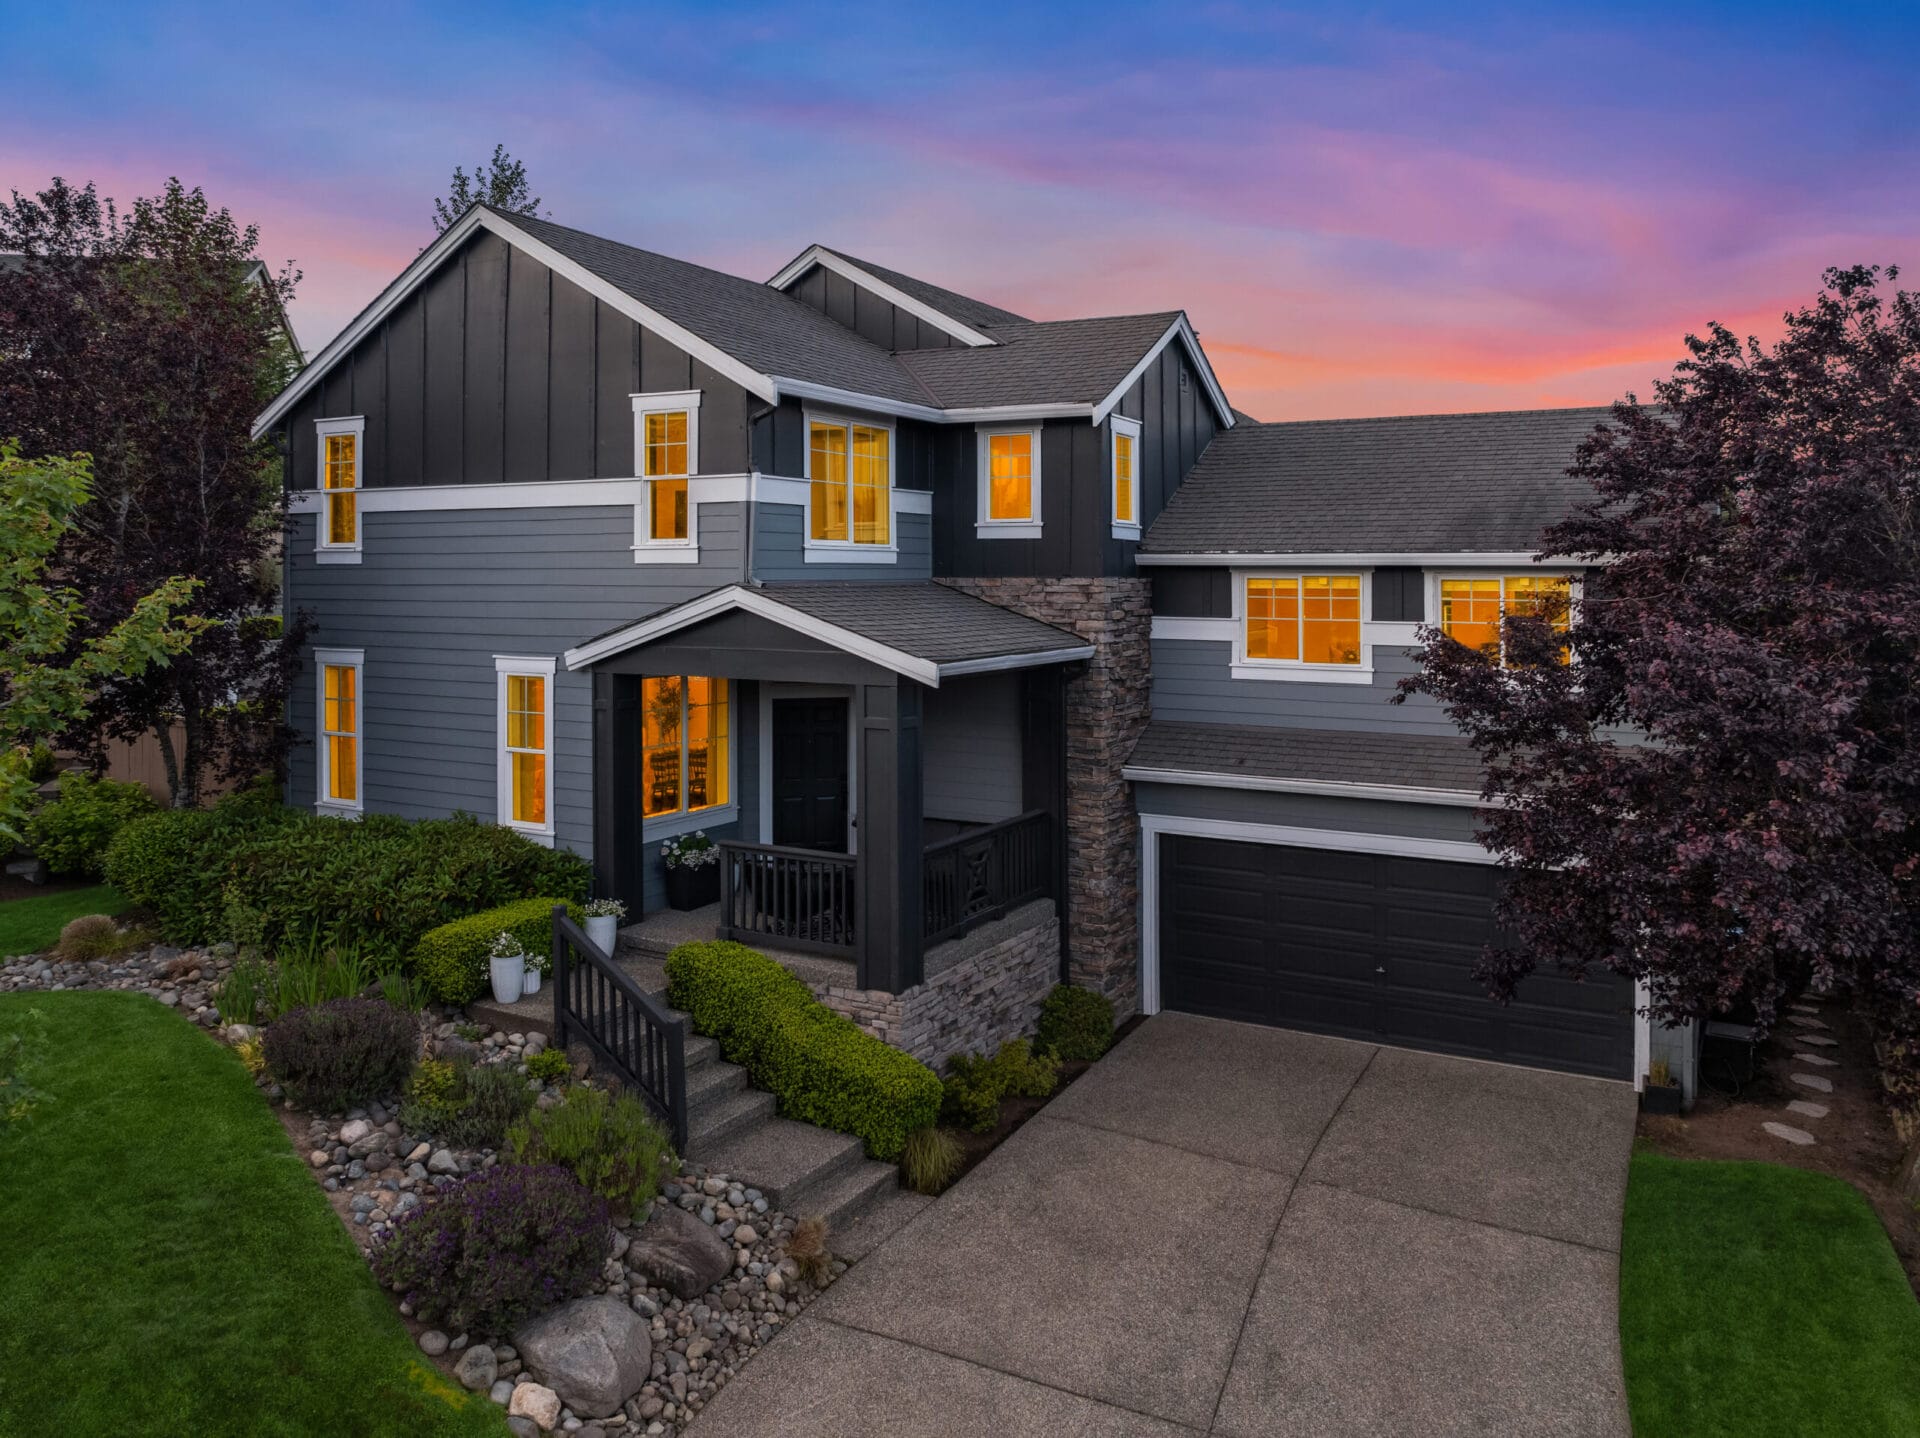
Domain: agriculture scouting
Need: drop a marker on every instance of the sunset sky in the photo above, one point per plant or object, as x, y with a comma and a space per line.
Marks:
1366, 209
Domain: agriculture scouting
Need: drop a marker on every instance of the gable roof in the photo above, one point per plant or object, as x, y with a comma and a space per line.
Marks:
964, 308
919, 629
1407, 485
1081, 361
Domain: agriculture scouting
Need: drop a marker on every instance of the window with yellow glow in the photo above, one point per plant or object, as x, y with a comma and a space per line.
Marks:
1010, 476
340, 478
685, 751
526, 727
340, 732
1471, 609
1304, 618
664, 462
1124, 479
850, 467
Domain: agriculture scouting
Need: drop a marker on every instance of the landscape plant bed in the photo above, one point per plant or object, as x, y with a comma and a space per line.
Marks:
1016, 1109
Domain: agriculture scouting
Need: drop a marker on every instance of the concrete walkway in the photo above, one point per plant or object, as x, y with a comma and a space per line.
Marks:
1237, 1230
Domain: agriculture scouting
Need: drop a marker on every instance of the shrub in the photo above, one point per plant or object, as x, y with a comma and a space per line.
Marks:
174, 863
1075, 1024
433, 1094
253, 1054
72, 832
490, 1100
976, 1084
549, 1066
611, 1144
930, 1160
91, 936
339, 1052
501, 1246
452, 959
818, 1064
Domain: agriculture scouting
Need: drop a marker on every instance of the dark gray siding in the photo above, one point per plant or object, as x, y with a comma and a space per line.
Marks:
1400, 594
866, 314
780, 442
1193, 683
970, 739
498, 369
1194, 592
438, 595
1308, 811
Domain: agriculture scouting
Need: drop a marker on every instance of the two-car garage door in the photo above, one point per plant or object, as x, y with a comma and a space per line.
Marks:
1368, 946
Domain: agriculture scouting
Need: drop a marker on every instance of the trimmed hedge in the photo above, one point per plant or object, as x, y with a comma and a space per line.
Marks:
821, 1067
375, 885
452, 959
72, 831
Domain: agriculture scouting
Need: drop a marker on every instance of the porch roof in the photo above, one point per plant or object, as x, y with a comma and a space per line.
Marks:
921, 630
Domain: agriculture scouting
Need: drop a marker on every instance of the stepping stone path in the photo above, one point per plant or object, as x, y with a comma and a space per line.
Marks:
1807, 1109
1789, 1133
1813, 1081
1806, 1023
1819, 1041
1816, 1060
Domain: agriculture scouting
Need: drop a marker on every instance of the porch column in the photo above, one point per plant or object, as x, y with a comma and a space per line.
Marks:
1043, 775
888, 870
617, 849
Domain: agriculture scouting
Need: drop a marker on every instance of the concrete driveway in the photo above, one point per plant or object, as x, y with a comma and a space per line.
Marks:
1238, 1230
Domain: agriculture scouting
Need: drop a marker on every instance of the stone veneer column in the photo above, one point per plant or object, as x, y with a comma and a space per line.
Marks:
1107, 702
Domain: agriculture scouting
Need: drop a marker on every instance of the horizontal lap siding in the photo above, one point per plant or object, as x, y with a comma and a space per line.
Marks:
1308, 811
779, 549
1193, 683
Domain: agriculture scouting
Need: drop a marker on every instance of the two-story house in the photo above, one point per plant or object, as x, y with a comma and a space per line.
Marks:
992, 650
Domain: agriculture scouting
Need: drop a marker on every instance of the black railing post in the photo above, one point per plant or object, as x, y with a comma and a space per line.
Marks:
559, 977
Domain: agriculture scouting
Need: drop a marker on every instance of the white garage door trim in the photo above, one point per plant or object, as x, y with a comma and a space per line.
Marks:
1152, 826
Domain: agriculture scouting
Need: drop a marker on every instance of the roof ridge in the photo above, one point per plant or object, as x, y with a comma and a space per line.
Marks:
1435, 414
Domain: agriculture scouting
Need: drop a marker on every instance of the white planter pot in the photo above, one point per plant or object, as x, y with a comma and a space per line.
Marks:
530, 980
507, 975
605, 932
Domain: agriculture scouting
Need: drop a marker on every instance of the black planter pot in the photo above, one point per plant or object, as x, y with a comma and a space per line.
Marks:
1664, 1098
693, 888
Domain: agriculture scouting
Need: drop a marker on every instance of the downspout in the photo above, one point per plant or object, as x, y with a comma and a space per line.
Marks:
752, 516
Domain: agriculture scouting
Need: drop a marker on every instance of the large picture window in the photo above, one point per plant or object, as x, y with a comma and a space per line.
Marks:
1303, 618
340, 716
685, 739
525, 785
850, 469
1471, 608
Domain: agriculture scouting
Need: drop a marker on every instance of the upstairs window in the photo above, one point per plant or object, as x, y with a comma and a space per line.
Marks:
1303, 618
666, 431
850, 469
685, 738
1471, 608
341, 443
339, 747
525, 787
1009, 483
1126, 478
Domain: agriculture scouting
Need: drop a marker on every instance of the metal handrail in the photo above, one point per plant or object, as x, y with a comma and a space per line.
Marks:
628, 1029
799, 898
982, 874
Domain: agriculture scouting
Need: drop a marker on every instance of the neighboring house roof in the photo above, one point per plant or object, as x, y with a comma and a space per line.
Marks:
1081, 361
919, 629
964, 308
1414, 485
1343, 761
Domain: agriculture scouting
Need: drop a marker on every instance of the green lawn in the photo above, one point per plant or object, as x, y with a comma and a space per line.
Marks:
1758, 1300
29, 925
167, 1266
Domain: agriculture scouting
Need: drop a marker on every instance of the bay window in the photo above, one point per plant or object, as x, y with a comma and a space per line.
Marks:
850, 477
685, 745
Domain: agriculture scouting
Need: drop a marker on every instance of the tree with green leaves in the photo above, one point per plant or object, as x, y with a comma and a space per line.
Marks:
501, 183
50, 674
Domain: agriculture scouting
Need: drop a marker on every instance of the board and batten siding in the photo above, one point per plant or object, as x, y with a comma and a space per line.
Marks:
971, 751
436, 596
852, 305
496, 369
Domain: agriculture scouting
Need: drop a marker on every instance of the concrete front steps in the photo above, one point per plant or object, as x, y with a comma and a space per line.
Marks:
732, 1129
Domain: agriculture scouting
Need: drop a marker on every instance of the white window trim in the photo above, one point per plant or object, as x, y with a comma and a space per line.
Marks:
325, 551
516, 664
1436, 577
847, 551
1120, 424
684, 401
986, 527
686, 821
1299, 671
356, 660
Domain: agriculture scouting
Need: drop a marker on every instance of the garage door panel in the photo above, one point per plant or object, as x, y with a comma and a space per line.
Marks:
1368, 946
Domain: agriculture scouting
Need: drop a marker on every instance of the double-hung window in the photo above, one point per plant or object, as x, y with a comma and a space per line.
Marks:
340, 715
1304, 626
524, 702
850, 479
1471, 608
1009, 483
685, 739
342, 442
1126, 477
666, 447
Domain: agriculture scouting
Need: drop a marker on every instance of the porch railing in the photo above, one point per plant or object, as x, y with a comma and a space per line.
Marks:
977, 876
797, 898
627, 1029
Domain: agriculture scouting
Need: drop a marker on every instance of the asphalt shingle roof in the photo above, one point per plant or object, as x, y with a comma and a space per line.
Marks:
1413, 761
924, 619
1452, 483
964, 308
1064, 361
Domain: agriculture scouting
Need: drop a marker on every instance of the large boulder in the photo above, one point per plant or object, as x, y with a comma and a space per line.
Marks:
679, 1252
593, 1352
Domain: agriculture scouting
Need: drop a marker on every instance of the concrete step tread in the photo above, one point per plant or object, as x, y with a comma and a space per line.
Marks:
709, 1082
875, 1222
779, 1156
837, 1196
725, 1115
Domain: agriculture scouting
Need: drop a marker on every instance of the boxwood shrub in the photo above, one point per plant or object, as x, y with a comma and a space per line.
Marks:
820, 1066
452, 959
1075, 1023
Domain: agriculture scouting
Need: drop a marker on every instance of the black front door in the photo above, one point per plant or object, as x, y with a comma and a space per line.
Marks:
810, 773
